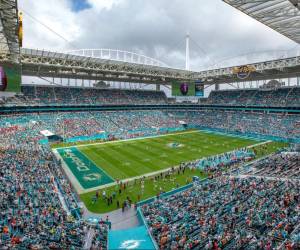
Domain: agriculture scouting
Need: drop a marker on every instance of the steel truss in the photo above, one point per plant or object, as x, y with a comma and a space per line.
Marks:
275, 69
9, 43
50, 64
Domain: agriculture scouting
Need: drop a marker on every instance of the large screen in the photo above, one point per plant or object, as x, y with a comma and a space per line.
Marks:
199, 90
10, 78
183, 88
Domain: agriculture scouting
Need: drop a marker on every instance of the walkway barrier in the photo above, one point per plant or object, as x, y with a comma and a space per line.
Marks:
143, 222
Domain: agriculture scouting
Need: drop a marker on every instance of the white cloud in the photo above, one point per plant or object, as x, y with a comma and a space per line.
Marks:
104, 4
154, 28
57, 16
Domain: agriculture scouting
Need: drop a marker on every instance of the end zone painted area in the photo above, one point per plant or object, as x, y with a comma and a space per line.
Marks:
84, 171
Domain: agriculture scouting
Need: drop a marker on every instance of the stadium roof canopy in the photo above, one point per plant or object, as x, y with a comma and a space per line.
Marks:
9, 43
280, 15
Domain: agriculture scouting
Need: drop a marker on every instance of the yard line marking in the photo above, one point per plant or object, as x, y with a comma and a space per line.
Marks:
132, 139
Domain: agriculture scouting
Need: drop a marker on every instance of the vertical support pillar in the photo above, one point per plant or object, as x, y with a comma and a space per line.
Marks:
187, 52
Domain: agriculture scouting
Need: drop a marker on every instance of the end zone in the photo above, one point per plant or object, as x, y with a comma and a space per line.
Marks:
82, 172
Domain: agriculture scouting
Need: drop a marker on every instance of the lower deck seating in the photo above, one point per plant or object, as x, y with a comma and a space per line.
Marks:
283, 165
226, 213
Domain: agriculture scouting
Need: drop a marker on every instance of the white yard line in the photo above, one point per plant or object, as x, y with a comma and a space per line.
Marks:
81, 190
125, 140
155, 136
129, 179
148, 174
96, 165
259, 144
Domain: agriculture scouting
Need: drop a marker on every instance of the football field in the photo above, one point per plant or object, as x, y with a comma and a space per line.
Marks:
97, 164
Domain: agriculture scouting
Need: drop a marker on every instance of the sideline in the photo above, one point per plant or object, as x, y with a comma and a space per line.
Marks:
131, 139
81, 190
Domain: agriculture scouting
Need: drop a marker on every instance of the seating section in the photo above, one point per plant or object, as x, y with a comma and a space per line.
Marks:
285, 165
227, 213
128, 124
58, 95
281, 97
278, 125
55, 95
39, 210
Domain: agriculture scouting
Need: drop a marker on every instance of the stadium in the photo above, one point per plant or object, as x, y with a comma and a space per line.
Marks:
115, 149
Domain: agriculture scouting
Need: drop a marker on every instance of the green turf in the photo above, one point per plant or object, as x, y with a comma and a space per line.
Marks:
133, 191
85, 171
149, 191
132, 158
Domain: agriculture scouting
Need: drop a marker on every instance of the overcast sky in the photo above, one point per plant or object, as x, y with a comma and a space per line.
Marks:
221, 35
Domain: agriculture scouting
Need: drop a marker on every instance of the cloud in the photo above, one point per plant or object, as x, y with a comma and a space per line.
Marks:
99, 5
220, 35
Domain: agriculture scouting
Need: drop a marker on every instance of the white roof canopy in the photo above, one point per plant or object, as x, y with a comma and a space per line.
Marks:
280, 15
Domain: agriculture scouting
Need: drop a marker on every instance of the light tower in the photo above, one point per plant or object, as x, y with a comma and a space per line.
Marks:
187, 52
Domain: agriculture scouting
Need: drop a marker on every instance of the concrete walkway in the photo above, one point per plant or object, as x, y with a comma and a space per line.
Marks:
118, 219
88, 239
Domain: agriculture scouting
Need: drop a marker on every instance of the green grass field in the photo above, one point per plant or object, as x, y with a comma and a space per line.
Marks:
137, 157
151, 189
125, 159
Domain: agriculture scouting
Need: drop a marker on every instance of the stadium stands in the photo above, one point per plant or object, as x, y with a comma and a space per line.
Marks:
128, 124
281, 125
38, 207
57, 95
284, 165
281, 97
227, 213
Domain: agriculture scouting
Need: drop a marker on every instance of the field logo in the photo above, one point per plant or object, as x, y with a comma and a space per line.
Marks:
184, 88
92, 177
243, 72
174, 145
131, 244
3, 79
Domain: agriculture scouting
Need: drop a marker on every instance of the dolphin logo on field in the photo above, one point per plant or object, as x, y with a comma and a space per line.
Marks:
92, 177
131, 244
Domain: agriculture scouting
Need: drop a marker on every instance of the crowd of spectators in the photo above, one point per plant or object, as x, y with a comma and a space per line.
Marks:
227, 213
128, 124
279, 97
59, 95
38, 208
260, 123
63, 95
281, 165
